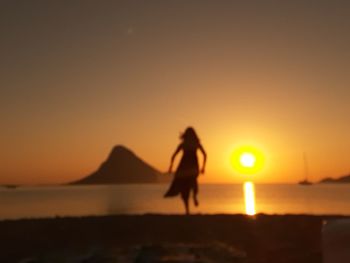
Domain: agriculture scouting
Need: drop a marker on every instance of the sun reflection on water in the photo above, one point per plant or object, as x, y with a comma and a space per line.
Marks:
249, 198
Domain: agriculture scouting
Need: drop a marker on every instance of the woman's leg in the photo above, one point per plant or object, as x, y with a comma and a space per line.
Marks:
195, 192
185, 196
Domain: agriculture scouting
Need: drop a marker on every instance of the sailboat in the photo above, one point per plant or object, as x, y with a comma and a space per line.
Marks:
306, 172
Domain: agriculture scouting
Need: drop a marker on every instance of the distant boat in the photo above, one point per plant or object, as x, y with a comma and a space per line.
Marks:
305, 182
10, 186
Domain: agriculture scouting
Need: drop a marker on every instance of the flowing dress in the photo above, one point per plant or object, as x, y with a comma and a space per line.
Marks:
186, 174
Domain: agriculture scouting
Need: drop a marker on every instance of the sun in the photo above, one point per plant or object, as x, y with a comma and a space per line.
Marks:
247, 160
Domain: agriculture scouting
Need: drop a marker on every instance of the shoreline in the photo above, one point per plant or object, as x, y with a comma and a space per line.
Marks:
261, 238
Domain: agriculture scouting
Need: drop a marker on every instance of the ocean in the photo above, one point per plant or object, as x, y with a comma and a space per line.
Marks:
38, 202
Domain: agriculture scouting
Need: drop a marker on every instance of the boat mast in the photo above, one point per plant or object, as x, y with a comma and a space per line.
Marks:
306, 166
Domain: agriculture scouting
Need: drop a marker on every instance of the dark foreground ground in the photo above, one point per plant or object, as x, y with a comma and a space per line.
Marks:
164, 238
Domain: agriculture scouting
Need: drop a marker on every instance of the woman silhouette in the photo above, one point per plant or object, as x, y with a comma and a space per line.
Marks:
186, 174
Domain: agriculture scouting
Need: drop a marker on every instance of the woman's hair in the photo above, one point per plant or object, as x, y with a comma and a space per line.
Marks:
190, 136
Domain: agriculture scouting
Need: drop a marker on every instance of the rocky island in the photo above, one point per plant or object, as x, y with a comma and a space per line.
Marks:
123, 167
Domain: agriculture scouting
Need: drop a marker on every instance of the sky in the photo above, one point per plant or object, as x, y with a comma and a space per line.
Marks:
79, 77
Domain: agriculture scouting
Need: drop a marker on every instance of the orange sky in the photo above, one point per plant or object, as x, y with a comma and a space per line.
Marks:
79, 78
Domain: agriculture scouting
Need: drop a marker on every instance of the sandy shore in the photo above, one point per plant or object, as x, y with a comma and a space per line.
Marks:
164, 238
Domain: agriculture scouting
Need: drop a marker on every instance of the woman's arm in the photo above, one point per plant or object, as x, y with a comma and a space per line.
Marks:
178, 149
204, 158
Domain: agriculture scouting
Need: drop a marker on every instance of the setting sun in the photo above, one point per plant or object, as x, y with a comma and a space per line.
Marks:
247, 160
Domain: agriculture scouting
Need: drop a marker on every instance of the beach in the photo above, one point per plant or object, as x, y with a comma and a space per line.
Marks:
164, 238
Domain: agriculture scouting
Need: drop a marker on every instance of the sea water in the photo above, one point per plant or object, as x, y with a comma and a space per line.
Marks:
36, 202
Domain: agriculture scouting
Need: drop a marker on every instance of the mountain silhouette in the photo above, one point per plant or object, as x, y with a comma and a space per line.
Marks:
122, 166
341, 180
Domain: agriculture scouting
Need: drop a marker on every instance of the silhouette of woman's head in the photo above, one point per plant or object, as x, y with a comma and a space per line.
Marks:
190, 136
